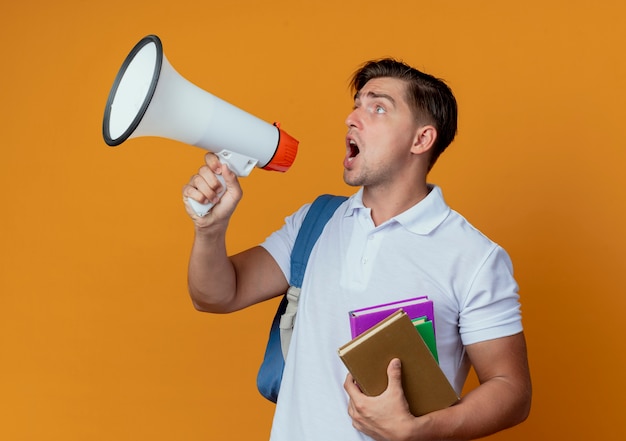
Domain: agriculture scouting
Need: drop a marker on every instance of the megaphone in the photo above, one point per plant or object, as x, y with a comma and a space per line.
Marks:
149, 98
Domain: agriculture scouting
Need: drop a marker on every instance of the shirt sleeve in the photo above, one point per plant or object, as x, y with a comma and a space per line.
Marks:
491, 309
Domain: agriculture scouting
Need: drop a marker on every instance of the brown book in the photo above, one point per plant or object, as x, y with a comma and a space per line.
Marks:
367, 357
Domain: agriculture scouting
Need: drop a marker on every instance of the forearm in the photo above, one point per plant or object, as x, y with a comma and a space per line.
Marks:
211, 274
493, 406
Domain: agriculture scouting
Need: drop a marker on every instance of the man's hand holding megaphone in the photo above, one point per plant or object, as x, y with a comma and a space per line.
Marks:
216, 184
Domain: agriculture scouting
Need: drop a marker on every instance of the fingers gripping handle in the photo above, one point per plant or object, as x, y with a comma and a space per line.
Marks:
238, 163
203, 209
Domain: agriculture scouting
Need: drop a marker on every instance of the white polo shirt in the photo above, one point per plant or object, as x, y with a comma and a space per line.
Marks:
427, 250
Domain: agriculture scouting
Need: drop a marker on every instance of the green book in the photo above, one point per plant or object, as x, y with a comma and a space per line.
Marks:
426, 330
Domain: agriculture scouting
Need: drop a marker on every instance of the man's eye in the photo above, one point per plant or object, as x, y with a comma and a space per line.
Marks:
379, 109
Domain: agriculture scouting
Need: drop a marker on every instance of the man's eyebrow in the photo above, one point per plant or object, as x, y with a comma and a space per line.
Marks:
372, 94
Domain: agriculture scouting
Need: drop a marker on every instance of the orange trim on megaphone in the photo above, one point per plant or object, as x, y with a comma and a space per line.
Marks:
285, 153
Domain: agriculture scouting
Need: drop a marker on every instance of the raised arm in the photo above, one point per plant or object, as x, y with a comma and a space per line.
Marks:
217, 282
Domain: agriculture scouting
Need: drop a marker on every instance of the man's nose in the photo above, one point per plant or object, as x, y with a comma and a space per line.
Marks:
353, 118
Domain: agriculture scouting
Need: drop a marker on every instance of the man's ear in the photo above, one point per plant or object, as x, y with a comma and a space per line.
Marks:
424, 139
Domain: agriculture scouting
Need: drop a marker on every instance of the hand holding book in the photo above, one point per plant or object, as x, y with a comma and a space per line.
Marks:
368, 355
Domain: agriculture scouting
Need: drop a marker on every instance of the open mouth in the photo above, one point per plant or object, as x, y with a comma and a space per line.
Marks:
353, 148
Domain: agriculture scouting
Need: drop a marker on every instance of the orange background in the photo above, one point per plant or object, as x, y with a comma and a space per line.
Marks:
98, 339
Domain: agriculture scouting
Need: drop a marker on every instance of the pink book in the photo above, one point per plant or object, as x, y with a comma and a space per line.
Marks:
363, 319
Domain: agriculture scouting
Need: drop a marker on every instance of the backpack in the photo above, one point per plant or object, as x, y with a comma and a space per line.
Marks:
271, 371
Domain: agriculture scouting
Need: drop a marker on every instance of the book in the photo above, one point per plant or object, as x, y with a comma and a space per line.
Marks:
427, 332
364, 318
367, 357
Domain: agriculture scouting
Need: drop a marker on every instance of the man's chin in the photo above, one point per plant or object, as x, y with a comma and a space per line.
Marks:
351, 180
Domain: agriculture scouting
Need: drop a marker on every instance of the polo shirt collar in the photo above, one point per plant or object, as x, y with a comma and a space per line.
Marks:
421, 219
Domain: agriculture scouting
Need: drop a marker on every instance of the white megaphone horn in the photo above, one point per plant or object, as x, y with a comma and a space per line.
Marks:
149, 98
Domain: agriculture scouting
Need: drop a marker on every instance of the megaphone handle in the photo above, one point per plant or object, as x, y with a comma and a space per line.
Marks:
203, 209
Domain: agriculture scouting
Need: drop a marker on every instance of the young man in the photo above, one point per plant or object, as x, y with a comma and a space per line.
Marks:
394, 239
